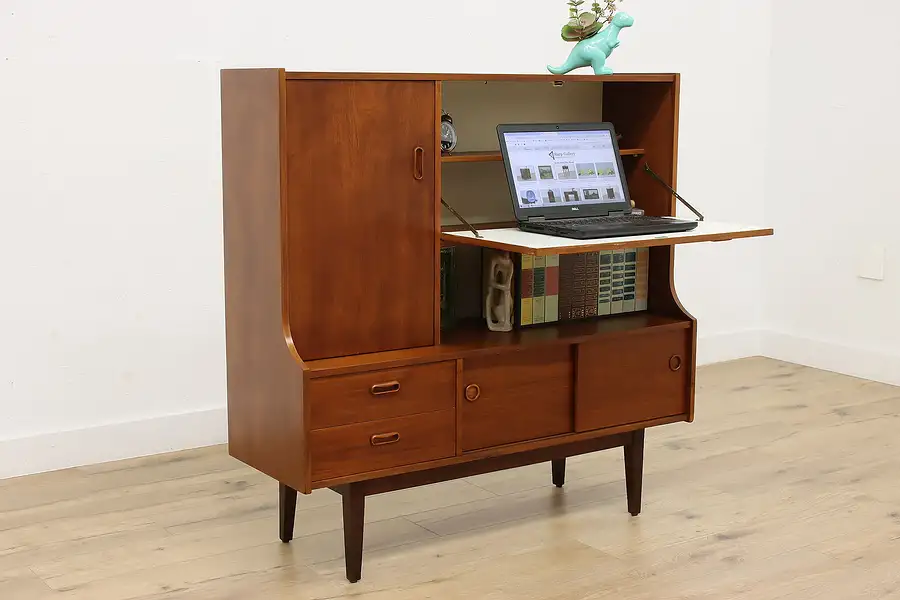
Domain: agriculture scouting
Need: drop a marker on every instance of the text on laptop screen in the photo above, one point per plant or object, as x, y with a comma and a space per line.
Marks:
556, 168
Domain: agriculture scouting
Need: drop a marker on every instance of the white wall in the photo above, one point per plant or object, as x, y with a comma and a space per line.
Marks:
833, 189
111, 318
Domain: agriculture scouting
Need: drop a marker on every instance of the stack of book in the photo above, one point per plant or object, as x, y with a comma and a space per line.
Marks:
569, 287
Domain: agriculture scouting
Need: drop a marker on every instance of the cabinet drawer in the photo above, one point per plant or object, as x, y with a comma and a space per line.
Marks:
365, 447
635, 378
381, 394
515, 397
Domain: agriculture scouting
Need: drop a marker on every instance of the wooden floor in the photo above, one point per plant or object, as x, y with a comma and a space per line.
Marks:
786, 486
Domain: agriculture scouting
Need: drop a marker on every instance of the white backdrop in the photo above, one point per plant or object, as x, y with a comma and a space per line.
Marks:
111, 311
833, 190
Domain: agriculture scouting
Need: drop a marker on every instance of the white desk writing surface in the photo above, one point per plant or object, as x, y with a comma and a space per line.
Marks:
515, 240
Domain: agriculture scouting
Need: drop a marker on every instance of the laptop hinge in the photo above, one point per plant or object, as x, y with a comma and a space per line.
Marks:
616, 213
535, 219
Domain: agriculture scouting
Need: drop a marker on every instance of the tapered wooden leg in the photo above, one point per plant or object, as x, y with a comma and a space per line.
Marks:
287, 507
354, 514
559, 472
634, 471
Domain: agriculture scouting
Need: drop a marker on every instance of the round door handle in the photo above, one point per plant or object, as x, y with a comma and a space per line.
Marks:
675, 362
473, 392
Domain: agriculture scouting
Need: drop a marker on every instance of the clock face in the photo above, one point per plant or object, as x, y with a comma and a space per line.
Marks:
448, 137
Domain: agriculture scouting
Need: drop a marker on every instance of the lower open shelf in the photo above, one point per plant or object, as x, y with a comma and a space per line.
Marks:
472, 338
473, 335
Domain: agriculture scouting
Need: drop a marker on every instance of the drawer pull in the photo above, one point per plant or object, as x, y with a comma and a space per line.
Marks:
383, 439
473, 392
675, 362
380, 389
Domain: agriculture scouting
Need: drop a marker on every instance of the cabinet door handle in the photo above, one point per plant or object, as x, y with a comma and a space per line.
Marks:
473, 392
380, 389
675, 362
383, 439
419, 163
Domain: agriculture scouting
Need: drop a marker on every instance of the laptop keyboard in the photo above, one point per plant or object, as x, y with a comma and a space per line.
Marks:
637, 220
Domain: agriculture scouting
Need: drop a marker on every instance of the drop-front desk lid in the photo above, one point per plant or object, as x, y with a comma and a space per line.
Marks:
521, 242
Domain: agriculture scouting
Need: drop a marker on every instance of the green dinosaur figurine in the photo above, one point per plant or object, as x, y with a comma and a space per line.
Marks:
593, 51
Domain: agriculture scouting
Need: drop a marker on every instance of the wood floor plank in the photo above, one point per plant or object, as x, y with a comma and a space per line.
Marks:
785, 486
23, 584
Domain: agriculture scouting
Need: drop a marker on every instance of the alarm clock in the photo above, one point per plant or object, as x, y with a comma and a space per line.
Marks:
448, 133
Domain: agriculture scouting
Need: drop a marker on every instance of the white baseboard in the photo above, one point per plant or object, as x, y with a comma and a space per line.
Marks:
722, 347
828, 356
104, 443
117, 441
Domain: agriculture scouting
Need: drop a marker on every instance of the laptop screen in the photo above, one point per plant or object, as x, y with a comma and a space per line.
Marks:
556, 169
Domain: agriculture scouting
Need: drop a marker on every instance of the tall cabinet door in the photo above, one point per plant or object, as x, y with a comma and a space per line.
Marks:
361, 214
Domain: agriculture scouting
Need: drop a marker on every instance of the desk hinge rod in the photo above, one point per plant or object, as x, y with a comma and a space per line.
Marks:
674, 193
460, 217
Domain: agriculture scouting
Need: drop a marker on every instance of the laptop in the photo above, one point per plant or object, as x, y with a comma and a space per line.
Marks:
566, 180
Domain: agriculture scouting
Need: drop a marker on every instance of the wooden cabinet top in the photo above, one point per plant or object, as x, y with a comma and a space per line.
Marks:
532, 77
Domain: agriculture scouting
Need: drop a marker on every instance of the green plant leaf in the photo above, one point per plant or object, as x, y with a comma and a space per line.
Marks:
591, 30
587, 19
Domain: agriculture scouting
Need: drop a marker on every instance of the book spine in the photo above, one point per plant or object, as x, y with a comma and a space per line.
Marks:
630, 281
551, 285
618, 282
592, 283
539, 289
527, 300
566, 285
643, 279
579, 287
604, 289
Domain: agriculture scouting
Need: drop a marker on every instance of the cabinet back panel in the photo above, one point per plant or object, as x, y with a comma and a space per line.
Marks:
360, 225
479, 191
646, 115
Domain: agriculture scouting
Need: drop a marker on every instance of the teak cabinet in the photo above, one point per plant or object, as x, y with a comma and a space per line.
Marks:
339, 374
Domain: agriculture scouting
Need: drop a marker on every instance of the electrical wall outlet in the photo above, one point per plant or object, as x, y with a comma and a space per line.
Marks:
871, 263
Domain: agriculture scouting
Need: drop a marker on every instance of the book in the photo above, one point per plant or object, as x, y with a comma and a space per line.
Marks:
628, 291
551, 288
642, 278
566, 285
604, 286
538, 289
577, 286
527, 290
592, 283
618, 282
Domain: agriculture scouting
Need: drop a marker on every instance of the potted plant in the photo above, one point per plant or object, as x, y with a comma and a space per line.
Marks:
596, 34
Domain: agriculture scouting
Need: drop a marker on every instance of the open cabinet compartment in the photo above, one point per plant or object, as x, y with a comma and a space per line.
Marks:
473, 180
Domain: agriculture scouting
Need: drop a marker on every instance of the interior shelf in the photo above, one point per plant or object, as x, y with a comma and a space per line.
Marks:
494, 155
474, 335
472, 338
521, 242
